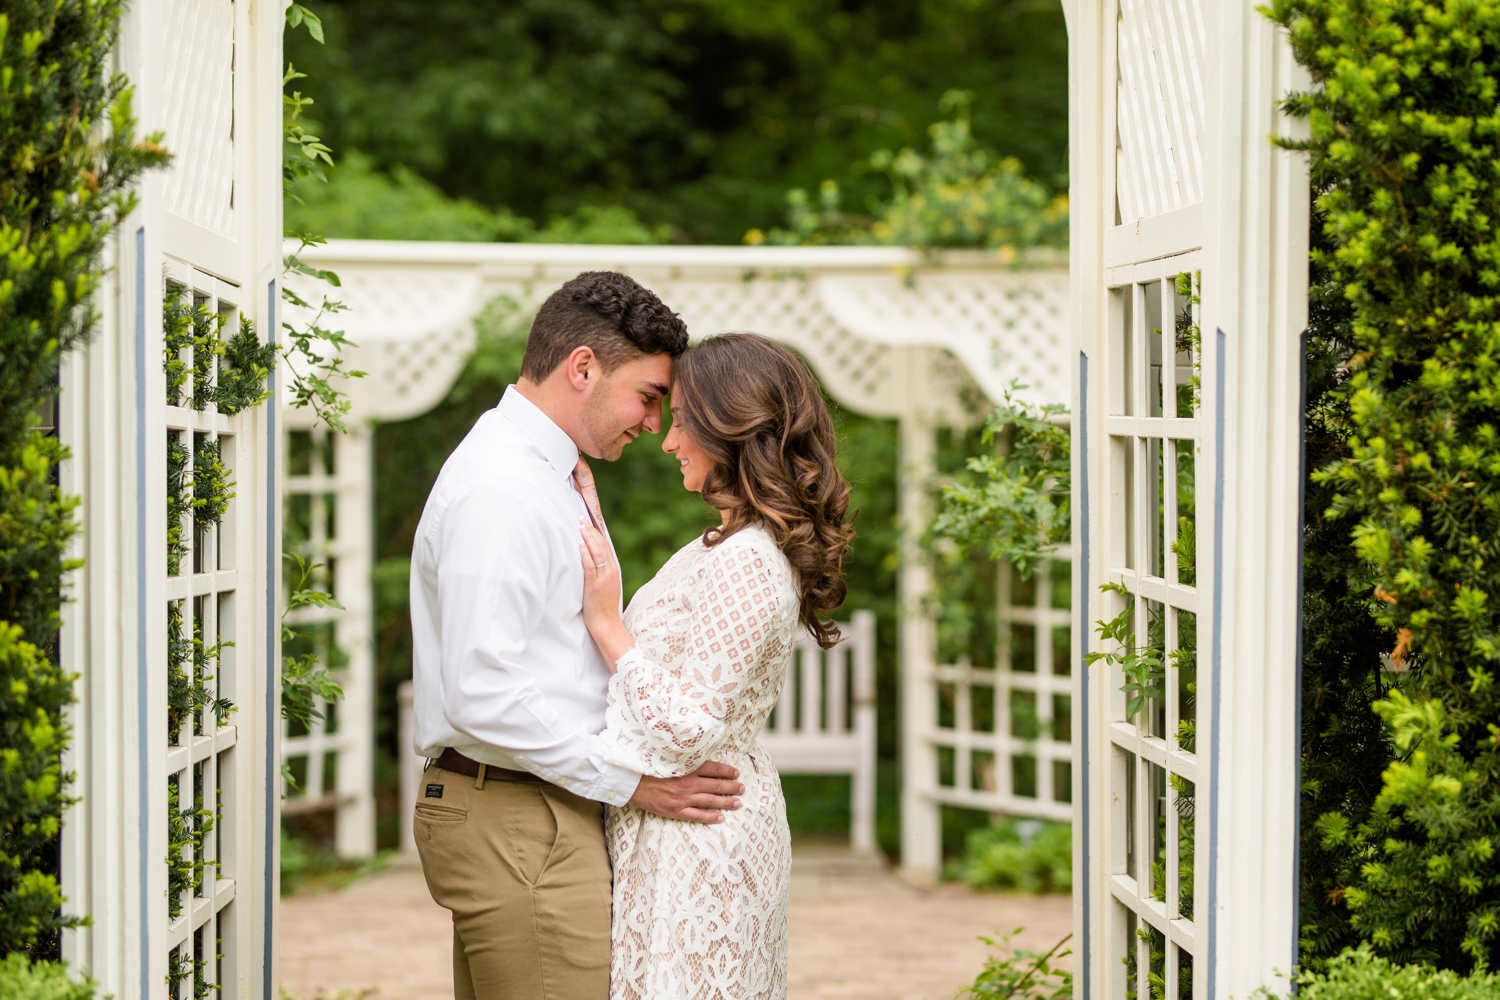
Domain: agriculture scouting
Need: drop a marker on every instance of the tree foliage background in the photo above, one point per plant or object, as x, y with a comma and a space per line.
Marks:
696, 115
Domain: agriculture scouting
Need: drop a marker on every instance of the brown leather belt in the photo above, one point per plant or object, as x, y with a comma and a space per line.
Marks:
452, 760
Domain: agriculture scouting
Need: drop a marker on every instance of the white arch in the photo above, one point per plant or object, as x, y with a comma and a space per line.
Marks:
925, 339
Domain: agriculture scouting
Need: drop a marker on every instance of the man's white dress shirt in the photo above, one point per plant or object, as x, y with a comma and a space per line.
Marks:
504, 670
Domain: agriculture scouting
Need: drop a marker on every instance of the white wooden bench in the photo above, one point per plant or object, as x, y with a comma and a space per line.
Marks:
823, 724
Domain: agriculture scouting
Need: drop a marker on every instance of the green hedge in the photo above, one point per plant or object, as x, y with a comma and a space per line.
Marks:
21, 979
1027, 855
1405, 165
1360, 974
68, 158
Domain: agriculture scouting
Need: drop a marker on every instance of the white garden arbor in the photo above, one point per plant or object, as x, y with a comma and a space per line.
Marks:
891, 333
1186, 415
1189, 296
176, 908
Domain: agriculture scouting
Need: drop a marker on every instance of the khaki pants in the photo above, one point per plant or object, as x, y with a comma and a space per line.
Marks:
524, 870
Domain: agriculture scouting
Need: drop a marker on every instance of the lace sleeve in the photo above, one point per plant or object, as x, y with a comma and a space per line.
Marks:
667, 725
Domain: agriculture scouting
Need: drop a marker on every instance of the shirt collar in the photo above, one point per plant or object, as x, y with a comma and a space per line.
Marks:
556, 447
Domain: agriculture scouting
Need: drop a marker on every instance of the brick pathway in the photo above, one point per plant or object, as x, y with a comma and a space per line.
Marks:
858, 933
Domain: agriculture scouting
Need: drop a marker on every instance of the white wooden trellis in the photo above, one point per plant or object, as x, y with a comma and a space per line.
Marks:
327, 521
207, 232
1184, 844
1003, 731
889, 331
824, 721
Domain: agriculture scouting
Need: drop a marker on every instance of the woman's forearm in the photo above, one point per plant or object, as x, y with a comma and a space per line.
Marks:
612, 637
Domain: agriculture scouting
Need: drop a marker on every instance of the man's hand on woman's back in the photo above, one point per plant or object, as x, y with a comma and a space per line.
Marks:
700, 797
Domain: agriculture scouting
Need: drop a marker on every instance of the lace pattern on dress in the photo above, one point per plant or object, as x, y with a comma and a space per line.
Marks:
700, 910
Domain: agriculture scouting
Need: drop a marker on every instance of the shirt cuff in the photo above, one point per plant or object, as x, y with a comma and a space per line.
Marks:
616, 784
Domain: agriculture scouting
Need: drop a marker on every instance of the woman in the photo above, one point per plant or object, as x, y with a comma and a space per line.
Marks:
700, 911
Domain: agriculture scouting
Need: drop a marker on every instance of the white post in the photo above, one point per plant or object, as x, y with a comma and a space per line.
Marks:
921, 827
410, 766
355, 830
862, 836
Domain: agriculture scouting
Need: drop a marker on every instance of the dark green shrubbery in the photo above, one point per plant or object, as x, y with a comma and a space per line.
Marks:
1360, 974
21, 979
68, 158
1405, 160
1028, 855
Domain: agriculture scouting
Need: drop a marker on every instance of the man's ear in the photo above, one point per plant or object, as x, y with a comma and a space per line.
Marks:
581, 368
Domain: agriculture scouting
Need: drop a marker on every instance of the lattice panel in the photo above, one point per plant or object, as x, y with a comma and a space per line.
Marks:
414, 322
202, 588
1150, 765
199, 106
1003, 326
326, 495
1159, 111
789, 310
1002, 731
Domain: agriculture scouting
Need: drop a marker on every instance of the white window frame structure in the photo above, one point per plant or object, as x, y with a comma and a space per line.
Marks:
890, 332
334, 540
969, 743
1172, 173
208, 229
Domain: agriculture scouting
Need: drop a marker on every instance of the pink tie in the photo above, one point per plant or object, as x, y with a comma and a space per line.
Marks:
583, 480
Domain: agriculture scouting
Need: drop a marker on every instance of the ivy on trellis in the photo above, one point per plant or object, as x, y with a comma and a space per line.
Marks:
242, 375
206, 492
187, 832
243, 362
212, 486
181, 965
179, 500
190, 664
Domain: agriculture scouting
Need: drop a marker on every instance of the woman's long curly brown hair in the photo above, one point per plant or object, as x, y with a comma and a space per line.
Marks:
756, 410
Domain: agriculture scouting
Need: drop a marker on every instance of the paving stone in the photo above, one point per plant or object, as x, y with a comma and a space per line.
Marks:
857, 933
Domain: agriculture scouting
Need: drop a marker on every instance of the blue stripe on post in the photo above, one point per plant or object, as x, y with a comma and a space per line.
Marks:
142, 687
1081, 498
273, 717
1218, 668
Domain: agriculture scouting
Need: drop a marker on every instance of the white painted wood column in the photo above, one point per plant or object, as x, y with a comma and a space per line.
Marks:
921, 826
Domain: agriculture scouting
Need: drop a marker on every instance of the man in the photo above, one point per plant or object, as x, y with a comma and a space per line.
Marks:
510, 689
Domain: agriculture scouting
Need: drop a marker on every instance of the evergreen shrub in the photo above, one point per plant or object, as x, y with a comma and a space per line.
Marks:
21, 979
1027, 855
68, 159
1360, 974
1405, 162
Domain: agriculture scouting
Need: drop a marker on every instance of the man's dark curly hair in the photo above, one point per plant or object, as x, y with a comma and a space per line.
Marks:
607, 311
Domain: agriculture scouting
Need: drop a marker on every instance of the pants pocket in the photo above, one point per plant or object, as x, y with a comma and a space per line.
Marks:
533, 833
433, 822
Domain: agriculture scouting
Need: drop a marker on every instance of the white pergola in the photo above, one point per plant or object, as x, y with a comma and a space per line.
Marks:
1173, 179
1186, 836
926, 340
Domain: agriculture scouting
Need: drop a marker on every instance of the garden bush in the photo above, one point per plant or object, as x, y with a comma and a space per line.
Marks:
1028, 855
1360, 974
1404, 146
68, 159
1017, 974
22, 979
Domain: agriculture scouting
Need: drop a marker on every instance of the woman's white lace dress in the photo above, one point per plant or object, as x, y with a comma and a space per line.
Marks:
700, 911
